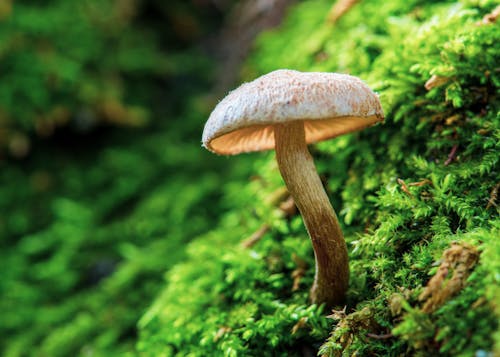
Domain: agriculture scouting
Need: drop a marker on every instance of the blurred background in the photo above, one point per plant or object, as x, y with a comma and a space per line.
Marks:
102, 175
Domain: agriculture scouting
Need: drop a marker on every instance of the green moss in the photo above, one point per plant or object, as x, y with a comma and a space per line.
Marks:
94, 213
405, 191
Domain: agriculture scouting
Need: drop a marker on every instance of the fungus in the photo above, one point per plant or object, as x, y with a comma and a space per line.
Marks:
286, 110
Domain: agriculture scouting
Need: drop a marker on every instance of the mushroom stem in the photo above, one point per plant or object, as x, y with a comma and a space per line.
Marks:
301, 178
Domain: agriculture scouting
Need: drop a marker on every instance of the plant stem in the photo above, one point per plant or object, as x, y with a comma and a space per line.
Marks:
301, 178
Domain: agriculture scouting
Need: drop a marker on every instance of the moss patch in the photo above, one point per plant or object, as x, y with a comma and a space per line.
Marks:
407, 191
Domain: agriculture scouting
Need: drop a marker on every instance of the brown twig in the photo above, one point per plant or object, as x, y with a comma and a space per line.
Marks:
288, 207
380, 337
452, 155
299, 272
493, 196
338, 314
436, 81
404, 187
221, 332
339, 9
256, 236
299, 325
420, 183
454, 119
490, 18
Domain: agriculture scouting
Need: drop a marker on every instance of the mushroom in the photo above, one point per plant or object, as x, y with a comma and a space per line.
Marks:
286, 110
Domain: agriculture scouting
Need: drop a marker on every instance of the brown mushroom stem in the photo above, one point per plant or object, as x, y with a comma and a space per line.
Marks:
301, 178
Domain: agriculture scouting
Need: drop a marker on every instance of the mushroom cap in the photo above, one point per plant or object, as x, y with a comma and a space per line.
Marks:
329, 104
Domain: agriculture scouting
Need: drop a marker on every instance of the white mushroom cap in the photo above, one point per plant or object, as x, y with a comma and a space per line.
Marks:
329, 104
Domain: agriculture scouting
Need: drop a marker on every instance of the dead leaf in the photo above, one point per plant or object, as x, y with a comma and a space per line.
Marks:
456, 266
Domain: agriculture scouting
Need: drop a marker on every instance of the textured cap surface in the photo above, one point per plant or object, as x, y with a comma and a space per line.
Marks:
330, 104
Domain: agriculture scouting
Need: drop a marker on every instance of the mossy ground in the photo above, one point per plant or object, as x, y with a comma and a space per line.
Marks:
104, 183
416, 197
